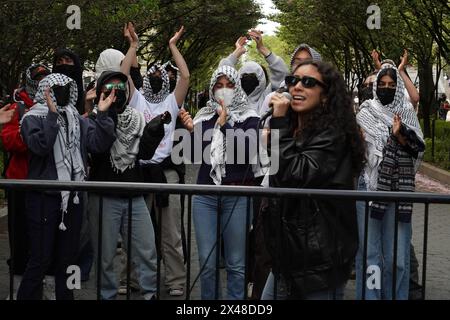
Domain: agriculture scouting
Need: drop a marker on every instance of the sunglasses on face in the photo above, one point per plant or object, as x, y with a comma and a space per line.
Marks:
307, 82
107, 88
117, 86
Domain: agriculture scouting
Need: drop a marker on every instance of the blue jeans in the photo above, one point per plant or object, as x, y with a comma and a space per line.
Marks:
234, 239
380, 253
282, 288
143, 248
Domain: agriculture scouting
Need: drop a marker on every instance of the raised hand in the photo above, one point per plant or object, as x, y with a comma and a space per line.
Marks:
404, 61
222, 114
104, 104
91, 94
50, 104
186, 119
280, 105
240, 45
396, 125
376, 59
130, 34
256, 35
6, 114
176, 37
396, 130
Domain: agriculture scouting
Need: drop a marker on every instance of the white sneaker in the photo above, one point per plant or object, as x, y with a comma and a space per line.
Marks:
17, 280
250, 289
48, 291
122, 290
176, 292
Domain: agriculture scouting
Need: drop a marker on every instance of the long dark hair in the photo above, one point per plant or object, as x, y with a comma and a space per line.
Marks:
387, 72
336, 112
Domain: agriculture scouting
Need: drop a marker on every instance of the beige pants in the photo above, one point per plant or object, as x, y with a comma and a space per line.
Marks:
171, 244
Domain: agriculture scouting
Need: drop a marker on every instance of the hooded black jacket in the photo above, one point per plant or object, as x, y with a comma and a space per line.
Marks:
77, 76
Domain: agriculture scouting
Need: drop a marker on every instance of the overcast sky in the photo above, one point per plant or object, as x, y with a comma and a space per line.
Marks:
267, 26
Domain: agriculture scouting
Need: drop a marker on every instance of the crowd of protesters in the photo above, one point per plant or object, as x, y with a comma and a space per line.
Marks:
121, 129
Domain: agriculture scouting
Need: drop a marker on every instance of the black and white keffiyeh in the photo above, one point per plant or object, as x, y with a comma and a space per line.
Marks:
376, 121
66, 150
171, 65
238, 111
147, 90
396, 173
129, 130
31, 85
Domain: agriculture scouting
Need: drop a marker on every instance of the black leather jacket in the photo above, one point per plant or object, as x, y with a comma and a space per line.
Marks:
312, 242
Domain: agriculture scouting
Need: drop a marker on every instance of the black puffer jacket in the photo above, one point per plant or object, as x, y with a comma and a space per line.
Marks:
312, 242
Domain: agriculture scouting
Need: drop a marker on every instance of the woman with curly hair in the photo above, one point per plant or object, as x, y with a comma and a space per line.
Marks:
313, 243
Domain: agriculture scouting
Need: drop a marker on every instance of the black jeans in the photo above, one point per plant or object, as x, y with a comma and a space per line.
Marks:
49, 245
18, 238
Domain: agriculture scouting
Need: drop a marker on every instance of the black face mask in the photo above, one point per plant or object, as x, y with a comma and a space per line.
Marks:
249, 83
62, 95
386, 95
66, 69
366, 93
173, 84
121, 101
156, 83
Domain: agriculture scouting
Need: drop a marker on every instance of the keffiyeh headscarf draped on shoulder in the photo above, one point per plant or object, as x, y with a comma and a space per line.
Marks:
170, 65
66, 150
147, 90
238, 111
376, 120
31, 85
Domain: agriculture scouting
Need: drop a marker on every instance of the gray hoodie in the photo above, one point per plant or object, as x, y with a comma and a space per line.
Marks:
278, 72
313, 53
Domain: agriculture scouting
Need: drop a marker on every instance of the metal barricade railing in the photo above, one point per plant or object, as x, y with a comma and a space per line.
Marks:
111, 188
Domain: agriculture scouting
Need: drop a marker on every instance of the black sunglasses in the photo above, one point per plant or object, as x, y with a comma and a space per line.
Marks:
307, 82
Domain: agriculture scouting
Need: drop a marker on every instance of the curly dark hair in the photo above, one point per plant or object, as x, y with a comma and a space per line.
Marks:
336, 112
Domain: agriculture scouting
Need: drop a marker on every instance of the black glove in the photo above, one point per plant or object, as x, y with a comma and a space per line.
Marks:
152, 136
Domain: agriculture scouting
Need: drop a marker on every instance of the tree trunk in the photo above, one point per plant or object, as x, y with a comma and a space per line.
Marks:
426, 89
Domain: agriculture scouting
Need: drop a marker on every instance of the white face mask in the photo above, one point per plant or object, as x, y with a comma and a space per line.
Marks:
226, 95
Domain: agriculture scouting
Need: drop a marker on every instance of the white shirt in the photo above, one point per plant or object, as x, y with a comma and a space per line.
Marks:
152, 110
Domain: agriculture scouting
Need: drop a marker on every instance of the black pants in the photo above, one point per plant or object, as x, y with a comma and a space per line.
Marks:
18, 238
415, 287
49, 245
259, 260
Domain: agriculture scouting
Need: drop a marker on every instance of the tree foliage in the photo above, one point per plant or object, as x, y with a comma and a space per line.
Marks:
273, 43
338, 30
31, 30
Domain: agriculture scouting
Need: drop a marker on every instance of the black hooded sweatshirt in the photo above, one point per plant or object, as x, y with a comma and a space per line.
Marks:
76, 74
